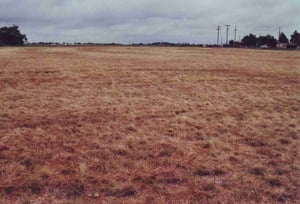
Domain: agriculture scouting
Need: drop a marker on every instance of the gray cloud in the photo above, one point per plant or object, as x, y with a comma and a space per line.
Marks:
126, 21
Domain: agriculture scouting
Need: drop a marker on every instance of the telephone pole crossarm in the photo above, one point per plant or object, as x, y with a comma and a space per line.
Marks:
227, 30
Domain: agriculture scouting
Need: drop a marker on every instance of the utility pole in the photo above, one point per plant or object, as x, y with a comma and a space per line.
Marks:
218, 29
227, 29
279, 32
235, 31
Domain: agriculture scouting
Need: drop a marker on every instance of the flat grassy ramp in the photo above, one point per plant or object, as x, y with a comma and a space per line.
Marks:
149, 125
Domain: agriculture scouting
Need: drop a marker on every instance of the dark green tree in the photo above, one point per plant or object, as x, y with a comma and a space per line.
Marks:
11, 36
250, 40
268, 40
295, 38
283, 38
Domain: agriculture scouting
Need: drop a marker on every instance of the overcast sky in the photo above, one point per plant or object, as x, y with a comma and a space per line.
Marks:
129, 21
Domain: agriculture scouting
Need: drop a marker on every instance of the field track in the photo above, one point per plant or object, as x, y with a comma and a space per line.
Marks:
149, 125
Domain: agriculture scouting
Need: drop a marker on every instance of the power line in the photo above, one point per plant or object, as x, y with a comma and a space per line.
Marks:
227, 30
218, 37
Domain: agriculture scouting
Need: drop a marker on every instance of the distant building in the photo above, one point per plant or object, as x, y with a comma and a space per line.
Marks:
265, 46
282, 45
236, 44
286, 46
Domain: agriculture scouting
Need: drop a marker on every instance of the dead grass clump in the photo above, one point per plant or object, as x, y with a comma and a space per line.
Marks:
168, 178
166, 150
125, 191
284, 141
121, 151
234, 159
258, 171
281, 171
73, 189
145, 179
284, 198
180, 112
35, 187
27, 162
274, 182
255, 142
203, 171
210, 187
207, 145
68, 171
199, 135
3, 147
45, 172
267, 151
9, 190
218, 172
25, 201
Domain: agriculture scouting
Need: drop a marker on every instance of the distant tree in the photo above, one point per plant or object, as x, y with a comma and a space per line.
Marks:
12, 36
283, 38
295, 38
250, 40
268, 40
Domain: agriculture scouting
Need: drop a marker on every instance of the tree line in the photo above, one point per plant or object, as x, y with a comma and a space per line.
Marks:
11, 36
252, 41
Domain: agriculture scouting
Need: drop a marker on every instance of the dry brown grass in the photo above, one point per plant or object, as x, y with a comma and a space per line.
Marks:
149, 125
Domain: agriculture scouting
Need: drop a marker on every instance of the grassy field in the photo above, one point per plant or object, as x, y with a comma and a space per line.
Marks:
149, 125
